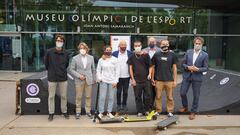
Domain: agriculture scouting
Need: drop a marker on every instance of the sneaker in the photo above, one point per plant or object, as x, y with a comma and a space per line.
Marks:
110, 115
89, 115
66, 116
139, 114
157, 113
170, 115
77, 116
50, 117
100, 115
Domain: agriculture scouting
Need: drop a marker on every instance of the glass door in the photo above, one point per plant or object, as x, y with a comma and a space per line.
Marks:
10, 53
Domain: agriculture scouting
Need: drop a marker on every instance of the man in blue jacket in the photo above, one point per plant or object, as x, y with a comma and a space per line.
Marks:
122, 87
195, 62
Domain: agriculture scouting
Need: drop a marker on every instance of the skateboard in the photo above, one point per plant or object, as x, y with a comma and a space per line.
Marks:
167, 122
150, 117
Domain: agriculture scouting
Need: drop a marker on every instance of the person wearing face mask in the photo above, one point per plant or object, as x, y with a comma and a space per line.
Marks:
83, 69
195, 62
139, 66
108, 71
56, 62
164, 76
123, 83
151, 50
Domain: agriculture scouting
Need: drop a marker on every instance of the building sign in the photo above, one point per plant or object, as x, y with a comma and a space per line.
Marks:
106, 20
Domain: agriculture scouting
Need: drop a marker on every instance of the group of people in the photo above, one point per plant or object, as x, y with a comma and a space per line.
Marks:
150, 71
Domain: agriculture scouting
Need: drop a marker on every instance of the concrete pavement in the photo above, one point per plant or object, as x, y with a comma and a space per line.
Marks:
11, 124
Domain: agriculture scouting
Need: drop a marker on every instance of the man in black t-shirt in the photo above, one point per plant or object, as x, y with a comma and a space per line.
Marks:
139, 66
164, 76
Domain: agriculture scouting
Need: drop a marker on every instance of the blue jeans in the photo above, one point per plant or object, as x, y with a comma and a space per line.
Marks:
196, 85
103, 90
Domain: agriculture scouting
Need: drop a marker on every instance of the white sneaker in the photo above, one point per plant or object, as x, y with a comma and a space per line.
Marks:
100, 115
139, 114
170, 114
157, 113
110, 115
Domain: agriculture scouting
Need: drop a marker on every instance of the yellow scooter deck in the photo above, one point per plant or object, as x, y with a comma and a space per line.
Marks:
151, 116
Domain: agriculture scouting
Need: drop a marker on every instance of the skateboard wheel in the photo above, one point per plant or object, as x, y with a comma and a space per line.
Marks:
165, 128
176, 122
154, 117
93, 121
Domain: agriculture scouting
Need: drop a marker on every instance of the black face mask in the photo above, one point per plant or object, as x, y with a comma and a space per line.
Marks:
108, 53
164, 48
151, 46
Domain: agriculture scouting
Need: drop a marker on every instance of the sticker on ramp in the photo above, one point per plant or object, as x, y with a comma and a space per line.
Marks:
32, 89
224, 81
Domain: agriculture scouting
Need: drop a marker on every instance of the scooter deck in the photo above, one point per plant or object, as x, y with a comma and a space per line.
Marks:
150, 117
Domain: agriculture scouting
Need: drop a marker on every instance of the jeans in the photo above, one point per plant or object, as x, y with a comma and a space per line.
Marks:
103, 90
196, 85
122, 89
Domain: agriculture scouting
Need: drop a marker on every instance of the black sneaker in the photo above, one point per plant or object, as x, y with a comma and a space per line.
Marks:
50, 117
66, 115
77, 116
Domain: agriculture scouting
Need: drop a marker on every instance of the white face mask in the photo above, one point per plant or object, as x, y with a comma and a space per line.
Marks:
197, 47
138, 49
59, 44
82, 51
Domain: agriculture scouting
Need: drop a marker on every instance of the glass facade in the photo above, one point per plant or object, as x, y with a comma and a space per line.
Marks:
36, 22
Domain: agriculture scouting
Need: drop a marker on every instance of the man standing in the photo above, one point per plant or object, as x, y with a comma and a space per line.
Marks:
83, 69
164, 71
123, 83
151, 50
139, 66
195, 62
56, 62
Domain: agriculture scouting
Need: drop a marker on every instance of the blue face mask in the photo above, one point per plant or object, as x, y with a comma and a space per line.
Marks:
151, 46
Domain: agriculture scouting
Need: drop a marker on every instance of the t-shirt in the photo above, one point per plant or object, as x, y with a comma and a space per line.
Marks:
163, 65
140, 65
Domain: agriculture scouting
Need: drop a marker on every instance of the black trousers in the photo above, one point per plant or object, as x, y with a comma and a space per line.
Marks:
122, 89
142, 90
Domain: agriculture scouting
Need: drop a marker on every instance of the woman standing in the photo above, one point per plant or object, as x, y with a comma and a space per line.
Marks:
83, 69
107, 75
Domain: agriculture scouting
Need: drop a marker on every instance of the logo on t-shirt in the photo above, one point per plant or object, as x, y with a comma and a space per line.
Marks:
164, 58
